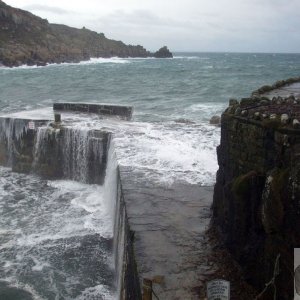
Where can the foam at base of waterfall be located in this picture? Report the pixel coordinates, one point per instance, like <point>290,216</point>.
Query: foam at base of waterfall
<point>51,231</point>
<point>93,293</point>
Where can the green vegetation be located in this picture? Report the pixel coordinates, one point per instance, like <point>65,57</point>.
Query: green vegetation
<point>242,184</point>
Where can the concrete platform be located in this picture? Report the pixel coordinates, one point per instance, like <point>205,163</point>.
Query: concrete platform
<point>285,91</point>
<point>169,226</point>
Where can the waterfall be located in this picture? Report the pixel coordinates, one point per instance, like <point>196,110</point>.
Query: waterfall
<point>113,198</point>
<point>11,130</point>
<point>75,154</point>
<point>40,145</point>
<point>80,154</point>
<point>111,179</point>
<point>71,153</point>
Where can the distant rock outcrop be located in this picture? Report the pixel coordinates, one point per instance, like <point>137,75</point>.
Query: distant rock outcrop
<point>28,39</point>
<point>163,52</point>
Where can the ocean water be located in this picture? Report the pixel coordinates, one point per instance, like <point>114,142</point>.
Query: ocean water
<point>56,236</point>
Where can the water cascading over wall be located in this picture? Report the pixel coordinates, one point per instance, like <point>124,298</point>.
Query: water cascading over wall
<point>16,143</point>
<point>88,156</point>
<point>54,153</point>
<point>71,153</point>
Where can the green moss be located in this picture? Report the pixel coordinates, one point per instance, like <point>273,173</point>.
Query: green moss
<point>241,185</point>
<point>274,123</point>
<point>274,203</point>
<point>280,181</point>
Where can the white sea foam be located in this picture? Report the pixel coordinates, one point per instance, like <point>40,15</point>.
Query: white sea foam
<point>95,292</point>
<point>91,61</point>
<point>206,110</point>
<point>166,151</point>
<point>45,113</point>
<point>46,228</point>
<point>187,57</point>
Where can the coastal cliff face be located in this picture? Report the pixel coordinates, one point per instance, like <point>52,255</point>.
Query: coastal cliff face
<point>28,39</point>
<point>257,193</point>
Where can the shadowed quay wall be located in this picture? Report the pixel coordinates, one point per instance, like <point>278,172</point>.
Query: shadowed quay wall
<point>256,203</point>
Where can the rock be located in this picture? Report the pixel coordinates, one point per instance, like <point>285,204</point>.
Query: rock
<point>163,52</point>
<point>238,111</point>
<point>41,63</point>
<point>215,120</point>
<point>264,102</point>
<point>284,118</point>
<point>279,100</point>
<point>256,115</point>
<point>28,39</point>
<point>265,88</point>
<point>296,124</point>
<point>233,102</point>
<point>248,101</point>
<point>244,113</point>
<point>184,121</point>
<point>273,116</point>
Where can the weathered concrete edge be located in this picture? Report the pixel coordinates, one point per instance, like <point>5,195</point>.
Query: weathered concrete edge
<point>276,85</point>
<point>128,281</point>
<point>123,112</point>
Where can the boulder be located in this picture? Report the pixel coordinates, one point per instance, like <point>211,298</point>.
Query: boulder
<point>215,120</point>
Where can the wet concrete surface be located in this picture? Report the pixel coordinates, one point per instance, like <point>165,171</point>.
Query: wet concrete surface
<point>172,244</point>
<point>285,91</point>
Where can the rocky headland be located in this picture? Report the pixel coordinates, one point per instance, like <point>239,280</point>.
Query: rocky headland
<point>256,206</point>
<point>29,39</point>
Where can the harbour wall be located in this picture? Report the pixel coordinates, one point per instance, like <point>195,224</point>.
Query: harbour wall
<point>54,151</point>
<point>256,205</point>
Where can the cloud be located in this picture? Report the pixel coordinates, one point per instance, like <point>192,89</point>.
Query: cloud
<point>199,25</point>
<point>46,8</point>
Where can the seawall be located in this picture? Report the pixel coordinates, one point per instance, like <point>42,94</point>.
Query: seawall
<point>161,243</point>
<point>256,203</point>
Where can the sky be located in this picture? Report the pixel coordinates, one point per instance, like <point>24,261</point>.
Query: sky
<point>182,25</point>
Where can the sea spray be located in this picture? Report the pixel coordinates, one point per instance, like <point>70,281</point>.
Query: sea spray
<point>11,130</point>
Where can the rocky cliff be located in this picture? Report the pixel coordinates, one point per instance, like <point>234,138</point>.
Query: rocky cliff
<point>28,39</point>
<point>256,204</point>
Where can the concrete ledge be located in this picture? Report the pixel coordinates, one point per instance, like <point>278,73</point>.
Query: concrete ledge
<point>123,112</point>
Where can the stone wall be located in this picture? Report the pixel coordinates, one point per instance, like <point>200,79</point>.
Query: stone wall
<point>53,153</point>
<point>257,193</point>
<point>56,152</point>
<point>122,112</point>
<point>129,284</point>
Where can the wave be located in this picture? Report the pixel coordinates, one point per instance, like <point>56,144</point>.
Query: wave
<point>91,61</point>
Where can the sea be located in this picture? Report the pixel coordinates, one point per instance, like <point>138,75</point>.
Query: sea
<point>56,236</point>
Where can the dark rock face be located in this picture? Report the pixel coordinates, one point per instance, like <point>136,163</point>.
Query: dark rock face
<point>163,52</point>
<point>28,39</point>
<point>257,193</point>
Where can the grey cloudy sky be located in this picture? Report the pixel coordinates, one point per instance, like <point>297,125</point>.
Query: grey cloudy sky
<point>183,25</point>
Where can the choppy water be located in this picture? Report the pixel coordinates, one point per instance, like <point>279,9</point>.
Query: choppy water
<point>55,239</point>
<point>55,236</point>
